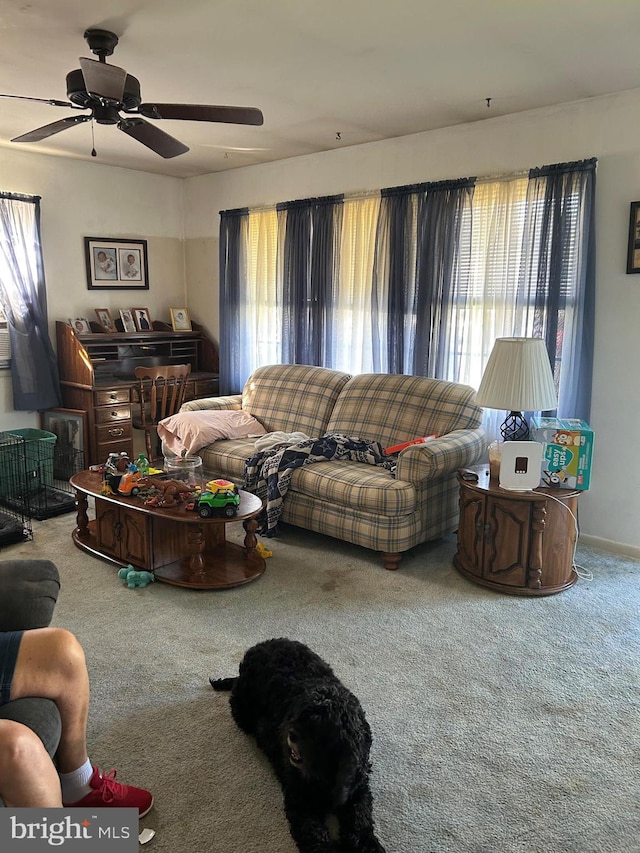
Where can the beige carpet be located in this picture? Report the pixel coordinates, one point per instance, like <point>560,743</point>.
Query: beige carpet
<point>501,724</point>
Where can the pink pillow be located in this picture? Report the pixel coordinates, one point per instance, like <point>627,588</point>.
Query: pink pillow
<point>191,431</point>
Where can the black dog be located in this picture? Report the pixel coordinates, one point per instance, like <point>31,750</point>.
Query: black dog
<point>315,735</point>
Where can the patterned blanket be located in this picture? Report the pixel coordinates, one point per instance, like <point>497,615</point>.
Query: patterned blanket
<point>268,473</point>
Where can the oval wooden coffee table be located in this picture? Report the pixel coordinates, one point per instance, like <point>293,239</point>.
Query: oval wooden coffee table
<point>174,543</point>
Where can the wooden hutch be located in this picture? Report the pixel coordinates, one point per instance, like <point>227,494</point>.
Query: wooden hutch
<point>96,377</point>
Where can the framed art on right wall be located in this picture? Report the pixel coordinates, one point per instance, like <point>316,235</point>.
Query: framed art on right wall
<point>633,250</point>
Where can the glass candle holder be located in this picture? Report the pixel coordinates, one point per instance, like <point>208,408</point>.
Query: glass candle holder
<point>186,469</point>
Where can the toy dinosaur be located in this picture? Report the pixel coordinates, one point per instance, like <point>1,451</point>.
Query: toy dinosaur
<point>173,491</point>
<point>133,578</point>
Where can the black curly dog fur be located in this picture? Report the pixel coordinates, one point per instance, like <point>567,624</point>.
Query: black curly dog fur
<point>314,732</point>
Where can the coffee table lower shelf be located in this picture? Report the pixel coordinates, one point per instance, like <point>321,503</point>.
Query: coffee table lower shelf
<point>228,565</point>
<point>176,545</point>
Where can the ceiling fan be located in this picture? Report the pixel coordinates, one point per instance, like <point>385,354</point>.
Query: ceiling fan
<point>107,90</point>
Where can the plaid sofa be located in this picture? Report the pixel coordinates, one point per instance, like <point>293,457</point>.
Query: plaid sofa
<point>361,503</point>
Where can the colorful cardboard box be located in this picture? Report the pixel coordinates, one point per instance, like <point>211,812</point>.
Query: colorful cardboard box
<point>567,451</point>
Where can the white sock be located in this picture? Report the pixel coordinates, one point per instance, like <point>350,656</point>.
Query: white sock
<point>75,785</point>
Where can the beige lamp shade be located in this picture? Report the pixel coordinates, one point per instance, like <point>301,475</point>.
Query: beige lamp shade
<point>518,377</point>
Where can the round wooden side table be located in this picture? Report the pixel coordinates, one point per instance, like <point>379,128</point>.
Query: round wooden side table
<point>521,543</point>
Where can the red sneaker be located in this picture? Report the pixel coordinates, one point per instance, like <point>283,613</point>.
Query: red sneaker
<point>107,792</point>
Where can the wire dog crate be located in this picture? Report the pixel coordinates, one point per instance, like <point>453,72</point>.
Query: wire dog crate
<point>34,473</point>
<point>15,523</point>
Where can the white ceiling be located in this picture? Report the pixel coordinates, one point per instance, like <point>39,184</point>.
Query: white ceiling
<point>363,69</point>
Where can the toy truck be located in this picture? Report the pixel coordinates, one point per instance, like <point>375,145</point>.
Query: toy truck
<point>225,501</point>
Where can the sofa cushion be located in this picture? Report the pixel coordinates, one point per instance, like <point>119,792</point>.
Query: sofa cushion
<point>391,408</point>
<point>355,485</point>
<point>344,483</point>
<point>293,397</point>
<point>226,458</point>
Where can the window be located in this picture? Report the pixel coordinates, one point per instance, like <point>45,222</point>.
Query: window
<point>419,279</point>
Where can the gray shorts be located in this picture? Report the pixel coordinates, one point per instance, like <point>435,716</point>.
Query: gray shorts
<point>9,645</point>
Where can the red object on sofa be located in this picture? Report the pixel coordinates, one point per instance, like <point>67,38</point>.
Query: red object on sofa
<point>398,447</point>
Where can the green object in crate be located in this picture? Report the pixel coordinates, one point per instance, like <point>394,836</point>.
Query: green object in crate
<point>26,460</point>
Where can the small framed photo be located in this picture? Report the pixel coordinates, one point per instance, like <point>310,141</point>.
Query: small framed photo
<point>105,319</point>
<point>80,325</point>
<point>633,250</point>
<point>128,323</point>
<point>114,264</point>
<point>180,321</point>
<point>142,319</point>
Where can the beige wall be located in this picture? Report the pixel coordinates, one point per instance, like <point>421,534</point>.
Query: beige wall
<point>607,128</point>
<point>80,200</point>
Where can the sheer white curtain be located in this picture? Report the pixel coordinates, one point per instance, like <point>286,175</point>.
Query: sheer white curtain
<point>263,313</point>
<point>353,340</point>
<point>486,308</point>
<point>34,370</point>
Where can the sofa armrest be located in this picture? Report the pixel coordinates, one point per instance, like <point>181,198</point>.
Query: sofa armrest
<point>234,402</point>
<point>29,593</point>
<point>457,449</point>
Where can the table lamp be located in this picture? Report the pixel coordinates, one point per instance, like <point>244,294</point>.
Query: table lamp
<point>517,377</point>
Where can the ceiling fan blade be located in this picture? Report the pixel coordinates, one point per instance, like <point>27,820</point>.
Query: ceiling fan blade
<point>102,80</point>
<point>203,112</point>
<point>52,101</point>
<point>49,129</point>
<point>159,141</point>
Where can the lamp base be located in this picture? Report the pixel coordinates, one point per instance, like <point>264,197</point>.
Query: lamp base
<point>514,427</point>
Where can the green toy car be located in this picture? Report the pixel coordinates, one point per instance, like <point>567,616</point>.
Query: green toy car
<point>223,502</point>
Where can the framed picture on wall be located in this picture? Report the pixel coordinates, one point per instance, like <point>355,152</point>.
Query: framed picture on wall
<point>633,249</point>
<point>116,264</point>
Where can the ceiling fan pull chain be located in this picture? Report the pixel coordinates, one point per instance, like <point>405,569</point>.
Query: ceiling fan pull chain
<point>93,140</point>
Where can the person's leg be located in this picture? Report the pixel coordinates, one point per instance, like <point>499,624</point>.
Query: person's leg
<point>28,777</point>
<point>51,663</point>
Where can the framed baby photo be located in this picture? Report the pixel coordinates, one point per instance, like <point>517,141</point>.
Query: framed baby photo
<point>80,325</point>
<point>128,323</point>
<point>105,319</point>
<point>180,320</point>
<point>142,319</point>
<point>114,264</point>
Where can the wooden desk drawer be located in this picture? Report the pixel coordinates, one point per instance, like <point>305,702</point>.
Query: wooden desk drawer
<point>109,414</point>
<point>202,388</point>
<point>113,432</point>
<point>113,438</point>
<point>114,395</point>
